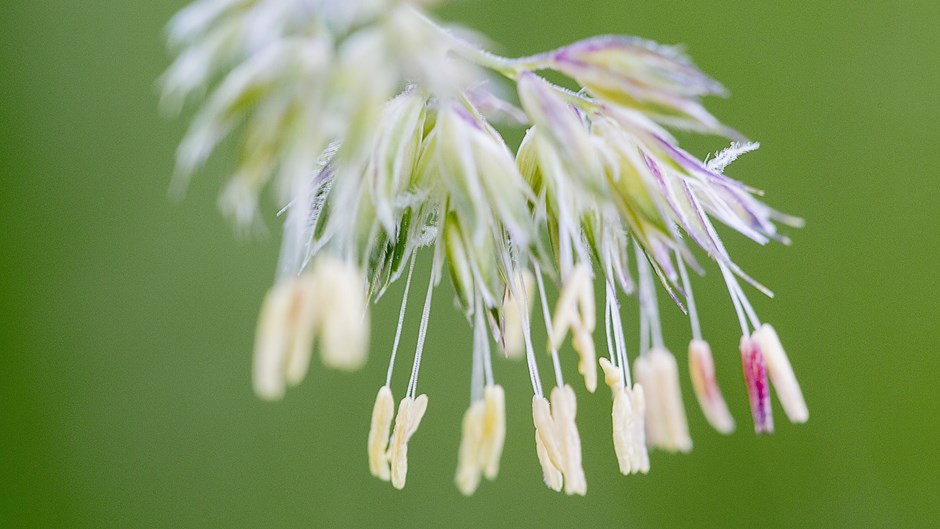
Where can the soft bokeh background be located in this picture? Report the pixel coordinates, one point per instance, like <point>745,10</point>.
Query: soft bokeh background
<point>126,320</point>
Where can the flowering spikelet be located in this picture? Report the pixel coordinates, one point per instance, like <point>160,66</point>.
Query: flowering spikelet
<point>374,129</point>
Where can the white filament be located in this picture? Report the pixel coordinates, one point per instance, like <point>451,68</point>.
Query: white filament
<point>559,380</point>
<point>422,334</point>
<point>729,281</point>
<point>523,302</point>
<point>690,301</point>
<point>401,320</point>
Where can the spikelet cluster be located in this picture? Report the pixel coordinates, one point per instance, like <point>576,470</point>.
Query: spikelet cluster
<point>377,131</point>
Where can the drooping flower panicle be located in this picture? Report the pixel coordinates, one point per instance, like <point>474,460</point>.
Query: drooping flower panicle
<point>376,129</point>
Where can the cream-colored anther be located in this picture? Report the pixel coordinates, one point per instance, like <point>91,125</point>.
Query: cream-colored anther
<point>781,374</point>
<point>545,445</point>
<point>469,469</point>
<point>564,410</point>
<point>666,425</point>
<point>574,311</point>
<point>410,412</point>
<point>484,431</point>
<point>284,337</point>
<point>624,419</point>
<point>306,318</point>
<point>494,429</point>
<point>702,372</point>
<point>378,433</point>
<point>513,329</point>
<point>639,455</point>
<point>344,336</point>
<point>271,339</point>
<point>550,473</point>
<point>583,343</point>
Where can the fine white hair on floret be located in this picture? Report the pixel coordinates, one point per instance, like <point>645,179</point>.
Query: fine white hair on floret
<point>724,158</point>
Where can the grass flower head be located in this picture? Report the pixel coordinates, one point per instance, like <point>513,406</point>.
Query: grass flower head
<point>376,130</point>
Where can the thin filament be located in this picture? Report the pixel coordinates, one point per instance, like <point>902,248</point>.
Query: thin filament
<point>522,302</point>
<point>548,325</point>
<point>690,300</point>
<point>401,320</point>
<point>422,334</point>
<point>742,320</point>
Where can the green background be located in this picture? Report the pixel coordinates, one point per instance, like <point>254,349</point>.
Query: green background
<point>126,320</point>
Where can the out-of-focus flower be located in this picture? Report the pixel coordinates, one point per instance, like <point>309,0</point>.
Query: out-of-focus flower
<point>373,127</point>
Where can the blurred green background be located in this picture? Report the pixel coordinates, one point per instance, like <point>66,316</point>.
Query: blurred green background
<point>127,320</point>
